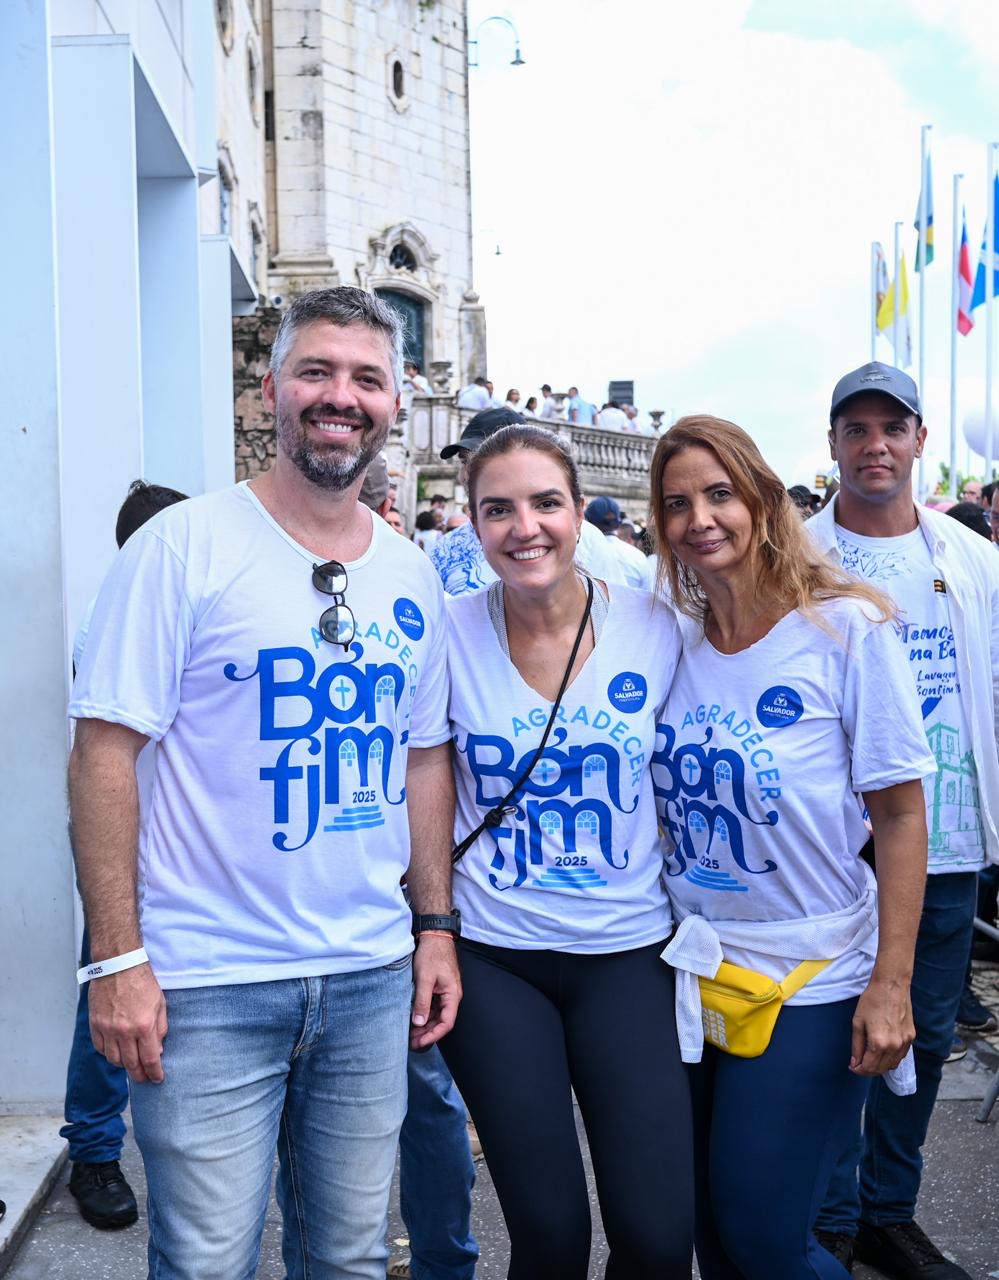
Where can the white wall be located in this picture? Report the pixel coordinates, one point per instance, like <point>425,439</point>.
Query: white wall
<point>37,943</point>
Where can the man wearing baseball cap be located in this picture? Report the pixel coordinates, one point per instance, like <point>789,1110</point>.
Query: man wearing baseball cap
<point>458,557</point>
<point>603,513</point>
<point>945,581</point>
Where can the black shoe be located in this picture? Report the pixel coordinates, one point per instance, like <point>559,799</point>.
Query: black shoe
<point>972,1015</point>
<point>105,1198</point>
<point>839,1244</point>
<point>903,1251</point>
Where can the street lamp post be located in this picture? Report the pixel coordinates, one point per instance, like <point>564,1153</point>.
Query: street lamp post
<point>473,45</point>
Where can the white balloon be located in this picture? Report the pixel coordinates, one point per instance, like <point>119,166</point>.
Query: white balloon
<point>974,432</point>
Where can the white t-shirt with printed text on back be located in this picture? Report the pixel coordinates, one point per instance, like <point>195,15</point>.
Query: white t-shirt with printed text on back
<point>277,832</point>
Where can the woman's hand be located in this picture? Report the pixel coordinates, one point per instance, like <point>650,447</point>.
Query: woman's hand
<point>883,1028</point>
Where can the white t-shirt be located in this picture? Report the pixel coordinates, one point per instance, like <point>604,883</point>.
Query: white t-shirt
<point>903,568</point>
<point>613,420</point>
<point>549,408</point>
<point>473,397</point>
<point>636,569</point>
<point>579,866</point>
<point>761,761</point>
<point>277,832</point>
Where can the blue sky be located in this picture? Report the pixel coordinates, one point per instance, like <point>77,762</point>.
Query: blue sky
<point>686,195</point>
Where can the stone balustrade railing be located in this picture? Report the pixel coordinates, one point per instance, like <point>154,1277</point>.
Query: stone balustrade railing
<point>611,462</point>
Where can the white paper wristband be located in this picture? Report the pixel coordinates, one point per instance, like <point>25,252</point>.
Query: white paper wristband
<point>114,964</point>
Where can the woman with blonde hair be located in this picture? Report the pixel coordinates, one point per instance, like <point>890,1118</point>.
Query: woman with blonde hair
<point>791,702</point>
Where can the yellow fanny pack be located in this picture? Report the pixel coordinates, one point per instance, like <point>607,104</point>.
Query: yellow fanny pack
<point>739,1007</point>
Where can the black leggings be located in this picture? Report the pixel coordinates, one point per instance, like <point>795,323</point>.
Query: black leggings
<point>533,1027</point>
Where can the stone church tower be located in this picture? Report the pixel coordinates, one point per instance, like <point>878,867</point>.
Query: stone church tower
<point>366,154</point>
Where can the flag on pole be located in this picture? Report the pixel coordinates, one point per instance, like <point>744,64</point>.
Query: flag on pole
<point>928,179</point>
<point>965,324</point>
<point>886,317</point>
<point>978,297</point>
<point>880,284</point>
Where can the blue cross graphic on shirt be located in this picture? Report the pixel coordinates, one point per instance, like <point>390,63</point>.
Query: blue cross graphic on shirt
<point>690,768</point>
<point>343,688</point>
<point>546,771</point>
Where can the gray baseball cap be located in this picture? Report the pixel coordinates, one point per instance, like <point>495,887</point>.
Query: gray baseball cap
<point>876,377</point>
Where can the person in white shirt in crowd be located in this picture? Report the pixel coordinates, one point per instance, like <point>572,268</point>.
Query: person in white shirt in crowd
<point>612,417</point>
<point>512,400</point>
<point>631,413</point>
<point>564,912</point>
<point>531,407</point>
<point>494,403</point>
<point>413,380</point>
<point>458,556</point>
<point>475,396</point>
<point>605,515</point>
<point>549,407</point>
<point>254,950</point>
<point>790,701</point>
<point>944,580</point>
<point>426,533</point>
<point>579,410</point>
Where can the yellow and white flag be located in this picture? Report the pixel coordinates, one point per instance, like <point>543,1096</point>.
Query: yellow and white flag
<point>886,318</point>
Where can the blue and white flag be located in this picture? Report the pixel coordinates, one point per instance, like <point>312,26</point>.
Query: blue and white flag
<point>978,297</point>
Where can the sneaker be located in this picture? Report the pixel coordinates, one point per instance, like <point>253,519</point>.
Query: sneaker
<point>105,1198</point>
<point>473,1142</point>
<point>958,1050</point>
<point>973,1016</point>
<point>398,1270</point>
<point>840,1244</point>
<point>903,1251</point>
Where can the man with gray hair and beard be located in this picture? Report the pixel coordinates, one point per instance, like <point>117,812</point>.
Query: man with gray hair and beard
<point>253,961</point>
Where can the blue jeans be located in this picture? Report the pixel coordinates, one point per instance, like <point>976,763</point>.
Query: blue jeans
<point>889,1156</point>
<point>436,1174</point>
<point>767,1131</point>
<point>313,1068</point>
<point>96,1092</point>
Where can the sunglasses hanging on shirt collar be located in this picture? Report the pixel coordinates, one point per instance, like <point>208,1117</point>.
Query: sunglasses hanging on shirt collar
<point>336,625</point>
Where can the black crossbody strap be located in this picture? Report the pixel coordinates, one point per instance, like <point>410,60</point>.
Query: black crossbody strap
<point>496,815</point>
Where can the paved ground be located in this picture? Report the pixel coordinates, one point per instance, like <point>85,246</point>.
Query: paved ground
<point>959,1206</point>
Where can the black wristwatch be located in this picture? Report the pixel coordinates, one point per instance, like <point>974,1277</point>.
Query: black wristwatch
<point>450,923</point>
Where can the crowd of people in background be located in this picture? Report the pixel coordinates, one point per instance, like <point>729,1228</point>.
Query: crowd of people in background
<point>480,394</point>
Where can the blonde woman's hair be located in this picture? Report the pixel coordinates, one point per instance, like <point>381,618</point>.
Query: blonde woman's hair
<point>790,570</point>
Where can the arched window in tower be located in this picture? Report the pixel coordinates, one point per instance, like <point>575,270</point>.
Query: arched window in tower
<point>594,764</point>
<point>723,772</point>
<point>550,823</point>
<point>413,311</point>
<point>348,753</point>
<point>385,688</point>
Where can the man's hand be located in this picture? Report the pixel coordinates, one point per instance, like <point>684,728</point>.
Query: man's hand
<point>883,1028</point>
<point>436,990</point>
<point>128,1022</point>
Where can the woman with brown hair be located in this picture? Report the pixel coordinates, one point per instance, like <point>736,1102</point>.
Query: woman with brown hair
<point>555,697</point>
<point>790,702</point>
